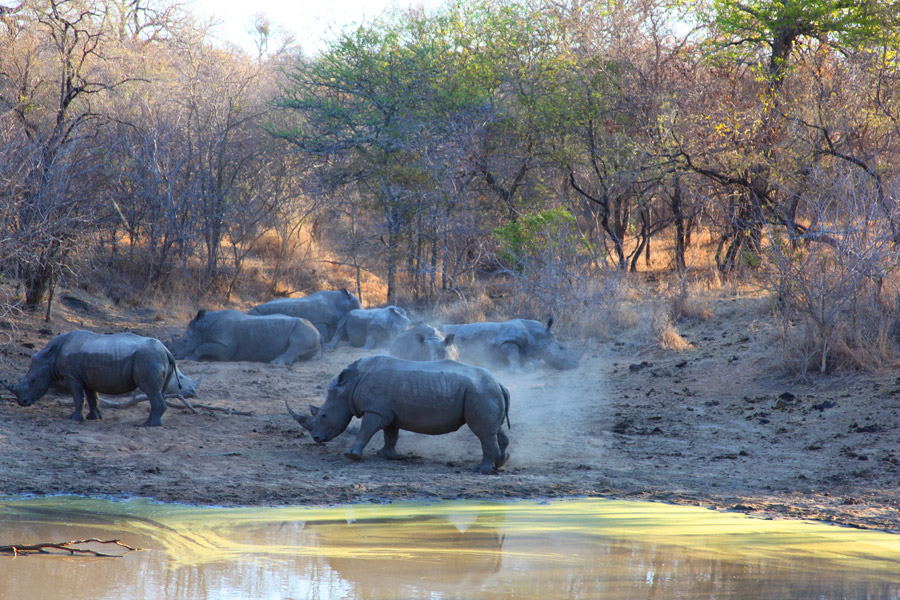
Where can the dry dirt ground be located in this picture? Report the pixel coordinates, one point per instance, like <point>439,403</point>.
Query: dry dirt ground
<point>715,425</point>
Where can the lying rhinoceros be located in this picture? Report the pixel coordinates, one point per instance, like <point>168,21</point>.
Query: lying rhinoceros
<point>232,335</point>
<point>512,344</point>
<point>371,327</point>
<point>324,309</point>
<point>424,342</point>
<point>434,397</point>
<point>85,363</point>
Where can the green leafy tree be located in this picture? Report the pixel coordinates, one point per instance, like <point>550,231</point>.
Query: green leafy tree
<point>529,242</point>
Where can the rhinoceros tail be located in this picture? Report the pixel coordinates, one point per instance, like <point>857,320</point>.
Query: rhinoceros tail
<point>175,372</point>
<point>506,404</point>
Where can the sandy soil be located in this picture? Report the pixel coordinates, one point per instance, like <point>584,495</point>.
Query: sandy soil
<point>715,425</point>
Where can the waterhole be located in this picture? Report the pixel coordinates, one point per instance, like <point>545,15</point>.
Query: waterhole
<point>578,549</point>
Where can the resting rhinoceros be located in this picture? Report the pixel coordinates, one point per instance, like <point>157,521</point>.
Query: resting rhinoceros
<point>232,335</point>
<point>370,327</point>
<point>434,397</point>
<point>86,363</point>
<point>323,309</point>
<point>512,344</point>
<point>424,342</point>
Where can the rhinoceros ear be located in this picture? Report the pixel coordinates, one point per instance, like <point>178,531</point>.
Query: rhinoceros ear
<point>313,410</point>
<point>200,314</point>
<point>549,323</point>
<point>448,339</point>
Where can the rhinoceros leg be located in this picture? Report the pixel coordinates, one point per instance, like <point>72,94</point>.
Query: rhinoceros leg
<point>370,425</point>
<point>297,351</point>
<point>510,352</point>
<point>503,443</point>
<point>93,405</point>
<point>391,435</point>
<point>157,408</point>
<point>77,389</point>
<point>211,351</point>
<point>492,456</point>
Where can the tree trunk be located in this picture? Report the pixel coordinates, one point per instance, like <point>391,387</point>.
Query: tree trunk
<point>680,233</point>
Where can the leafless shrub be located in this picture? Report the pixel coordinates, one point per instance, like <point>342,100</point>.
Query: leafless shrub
<point>479,307</point>
<point>553,274</point>
<point>685,303</point>
<point>835,295</point>
<point>658,330</point>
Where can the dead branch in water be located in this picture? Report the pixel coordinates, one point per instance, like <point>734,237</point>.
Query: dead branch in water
<point>70,548</point>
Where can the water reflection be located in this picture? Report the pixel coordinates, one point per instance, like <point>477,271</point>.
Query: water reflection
<point>593,549</point>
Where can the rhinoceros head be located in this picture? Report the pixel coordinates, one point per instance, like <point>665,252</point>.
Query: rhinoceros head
<point>193,336</point>
<point>328,421</point>
<point>396,321</point>
<point>436,347</point>
<point>37,380</point>
<point>347,302</point>
<point>555,354</point>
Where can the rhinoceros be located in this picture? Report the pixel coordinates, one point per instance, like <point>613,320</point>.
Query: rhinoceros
<point>371,327</point>
<point>227,335</point>
<point>512,344</point>
<point>424,342</point>
<point>435,397</point>
<point>324,309</point>
<point>85,363</point>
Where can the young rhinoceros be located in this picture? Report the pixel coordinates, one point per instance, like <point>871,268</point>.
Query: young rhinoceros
<point>435,397</point>
<point>86,363</point>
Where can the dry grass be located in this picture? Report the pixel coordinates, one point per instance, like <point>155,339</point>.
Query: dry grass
<point>663,332</point>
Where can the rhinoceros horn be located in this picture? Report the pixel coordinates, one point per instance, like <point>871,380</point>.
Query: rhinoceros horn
<point>12,389</point>
<point>302,419</point>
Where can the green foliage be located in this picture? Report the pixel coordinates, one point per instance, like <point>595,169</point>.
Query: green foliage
<point>776,27</point>
<point>539,239</point>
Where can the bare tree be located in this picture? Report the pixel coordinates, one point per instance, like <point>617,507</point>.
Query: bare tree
<point>54,64</point>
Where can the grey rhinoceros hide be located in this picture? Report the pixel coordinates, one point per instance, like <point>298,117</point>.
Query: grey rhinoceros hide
<point>433,398</point>
<point>230,335</point>
<point>424,342</point>
<point>512,344</point>
<point>371,327</point>
<point>85,363</point>
<point>324,309</point>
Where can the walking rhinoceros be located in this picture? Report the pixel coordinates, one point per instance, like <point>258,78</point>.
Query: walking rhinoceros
<point>434,397</point>
<point>227,335</point>
<point>424,342</point>
<point>324,309</point>
<point>371,327</point>
<point>512,344</point>
<point>85,363</point>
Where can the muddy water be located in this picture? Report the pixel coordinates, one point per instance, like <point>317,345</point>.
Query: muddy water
<point>596,549</point>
